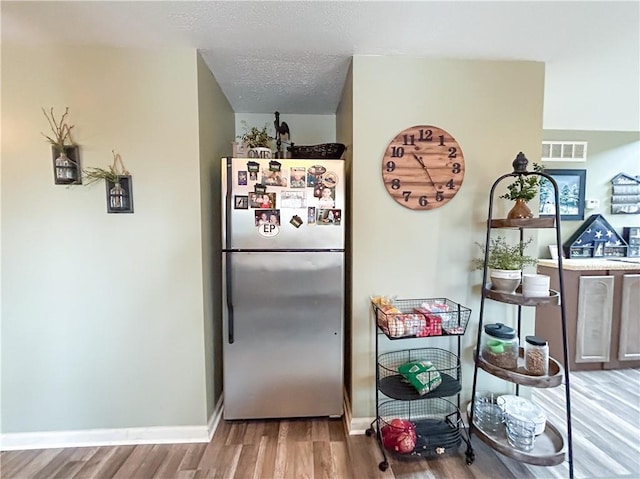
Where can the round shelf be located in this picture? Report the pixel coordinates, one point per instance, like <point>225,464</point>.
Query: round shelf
<point>397,388</point>
<point>520,374</point>
<point>521,299</point>
<point>548,450</point>
<point>548,222</point>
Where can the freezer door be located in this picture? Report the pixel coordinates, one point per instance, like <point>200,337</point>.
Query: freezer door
<point>283,335</point>
<point>305,220</point>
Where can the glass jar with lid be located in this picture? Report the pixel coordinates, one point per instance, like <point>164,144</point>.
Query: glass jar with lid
<point>499,346</point>
<point>536,356</point>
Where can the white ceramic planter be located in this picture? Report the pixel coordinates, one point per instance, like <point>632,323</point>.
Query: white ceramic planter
<point>505,280</point>
<point>535,285</point>
<point>259,152</point>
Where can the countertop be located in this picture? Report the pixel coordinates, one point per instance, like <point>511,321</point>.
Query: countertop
<point>591,264</point>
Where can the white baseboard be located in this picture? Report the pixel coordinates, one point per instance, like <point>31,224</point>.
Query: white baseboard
<point>214,420</point>
<point>359,425</point>
<point>113,437</point>
<point>355,426</point>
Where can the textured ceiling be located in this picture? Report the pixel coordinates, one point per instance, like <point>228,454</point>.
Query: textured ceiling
<point>293,56</point>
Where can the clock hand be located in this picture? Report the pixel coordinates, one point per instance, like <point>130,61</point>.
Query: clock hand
<point>430,179</point>
<point>426,170</point>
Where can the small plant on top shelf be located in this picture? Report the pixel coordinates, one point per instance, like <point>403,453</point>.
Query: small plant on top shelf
<point>524,188</point>
<point>505,256</point>
<point>254,137</point>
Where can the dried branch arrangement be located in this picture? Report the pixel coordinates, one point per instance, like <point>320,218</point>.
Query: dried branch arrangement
<point>93,174</point>
<point>61,129</point>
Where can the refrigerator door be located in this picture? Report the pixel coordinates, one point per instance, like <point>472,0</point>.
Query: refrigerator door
<point>283,334</point>
<point>305,219</point>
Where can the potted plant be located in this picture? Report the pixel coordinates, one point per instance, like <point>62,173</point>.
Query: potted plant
<point>523,190</point>
<point>505,261</point>
<point>258,141</point>
<point>66,169</point>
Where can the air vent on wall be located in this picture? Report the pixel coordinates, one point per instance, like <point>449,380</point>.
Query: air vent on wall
<point>564,151</point>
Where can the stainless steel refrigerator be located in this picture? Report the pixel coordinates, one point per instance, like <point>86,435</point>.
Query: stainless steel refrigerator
<point>283,235</point>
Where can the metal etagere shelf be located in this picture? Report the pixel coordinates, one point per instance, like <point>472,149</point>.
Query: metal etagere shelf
<point>551,447</point>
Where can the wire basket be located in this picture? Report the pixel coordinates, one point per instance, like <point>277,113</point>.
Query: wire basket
<point>436,422</point>
<point>324,151</point>
<point>422,317</point>
<point>394,385</point>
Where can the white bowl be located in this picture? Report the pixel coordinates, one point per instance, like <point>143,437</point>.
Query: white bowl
<point>519,406</point>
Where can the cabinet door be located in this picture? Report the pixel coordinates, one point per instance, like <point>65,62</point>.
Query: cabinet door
<point>595,306</point>
<point>629,325</point>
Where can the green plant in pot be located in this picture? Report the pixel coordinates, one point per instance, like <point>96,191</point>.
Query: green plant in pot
<point>254,137</point>
<point>523,190</point>
<point>506,262</point>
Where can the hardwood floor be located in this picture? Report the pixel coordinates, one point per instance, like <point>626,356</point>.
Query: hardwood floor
<point>605,419</point>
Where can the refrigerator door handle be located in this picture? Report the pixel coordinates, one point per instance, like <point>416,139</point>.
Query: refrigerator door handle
<point>228,276</point>
<point>227,174</point>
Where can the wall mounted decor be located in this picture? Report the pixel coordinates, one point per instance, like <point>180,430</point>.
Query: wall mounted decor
<point>596,238</point>
<point>571,187</point>
<point>118,184</point>
<point>625,197</point>
<point>65,153</point>
<point>119,195</point>
<point>631,235</point>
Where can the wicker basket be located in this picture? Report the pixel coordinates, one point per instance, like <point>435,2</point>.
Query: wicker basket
<point>327,151</point>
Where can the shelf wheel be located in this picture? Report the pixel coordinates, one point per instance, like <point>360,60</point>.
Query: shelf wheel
<point>470,455</point>
<point>383,466</point>
<point>369,432</point>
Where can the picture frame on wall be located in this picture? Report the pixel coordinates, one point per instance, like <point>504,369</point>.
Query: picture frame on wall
<point>571,193</point>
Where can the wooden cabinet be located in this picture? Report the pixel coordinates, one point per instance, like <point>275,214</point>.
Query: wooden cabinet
<point>602,305</point>
<point>629,344</point>
<point>593,328</point>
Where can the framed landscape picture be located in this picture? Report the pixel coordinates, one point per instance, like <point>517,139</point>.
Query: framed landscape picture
<point>571,187</point>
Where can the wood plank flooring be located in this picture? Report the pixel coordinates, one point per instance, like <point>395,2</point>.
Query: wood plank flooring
<point>605,419</point>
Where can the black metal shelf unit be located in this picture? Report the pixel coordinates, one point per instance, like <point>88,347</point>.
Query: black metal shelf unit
<point>436,422</point>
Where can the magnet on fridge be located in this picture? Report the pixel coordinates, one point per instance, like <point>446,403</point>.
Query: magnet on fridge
<point>253,166</point>
<point>330,179</point>
<point>296,221</point>
<point>274,165</point>
<point>241,202</point>
<point>260,188</point>
<point>242,178</point>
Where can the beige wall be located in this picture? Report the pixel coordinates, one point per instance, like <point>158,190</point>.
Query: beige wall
<point>216,128</point>
<point>344,135</point>
<point>102,314</point>
<point>494,110</point>
<point>305,129</point>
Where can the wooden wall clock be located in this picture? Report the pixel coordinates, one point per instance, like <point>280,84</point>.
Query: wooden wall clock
<point>423,167</point>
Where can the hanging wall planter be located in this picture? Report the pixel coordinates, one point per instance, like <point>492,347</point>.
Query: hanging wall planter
<point>66,165</point>
<point>118,185</point>
<point>65,153</point>
<point>119,197</point>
